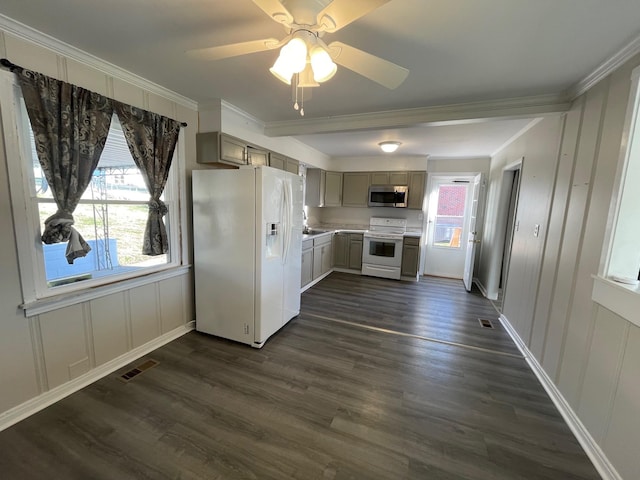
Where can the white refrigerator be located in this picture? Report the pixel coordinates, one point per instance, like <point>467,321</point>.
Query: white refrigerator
<point>247,226</point>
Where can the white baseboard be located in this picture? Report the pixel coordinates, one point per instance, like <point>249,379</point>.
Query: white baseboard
<point>600,461</point>
<point>34,405</point>
<point>481,287</point>
<point>311,284</point>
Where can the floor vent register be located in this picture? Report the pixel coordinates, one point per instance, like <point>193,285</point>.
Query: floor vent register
<point>128,376</point>
<point>485,323</point>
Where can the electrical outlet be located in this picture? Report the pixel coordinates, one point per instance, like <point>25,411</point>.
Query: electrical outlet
<point>536,230</point>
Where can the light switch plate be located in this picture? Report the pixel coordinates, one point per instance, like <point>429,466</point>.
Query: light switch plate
<point>536,230</point>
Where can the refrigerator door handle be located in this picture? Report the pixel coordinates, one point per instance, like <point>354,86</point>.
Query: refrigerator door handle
<point>285,223</point>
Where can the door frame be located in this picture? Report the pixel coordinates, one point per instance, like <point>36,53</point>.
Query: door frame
<point>432,178</point>
<point>502,227</point>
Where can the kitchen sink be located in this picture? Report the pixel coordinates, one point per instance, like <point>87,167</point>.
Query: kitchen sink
<point>313,231</point>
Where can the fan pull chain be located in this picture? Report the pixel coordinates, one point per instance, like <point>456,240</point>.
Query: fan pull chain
<point>302,105</point>
<point>297,80</point>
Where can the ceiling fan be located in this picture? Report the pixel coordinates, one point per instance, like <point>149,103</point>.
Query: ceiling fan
<point>305,59</point>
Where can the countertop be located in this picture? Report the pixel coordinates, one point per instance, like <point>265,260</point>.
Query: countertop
<point>334,228</point>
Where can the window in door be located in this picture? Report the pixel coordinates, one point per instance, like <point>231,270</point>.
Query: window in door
<point>449,220</point>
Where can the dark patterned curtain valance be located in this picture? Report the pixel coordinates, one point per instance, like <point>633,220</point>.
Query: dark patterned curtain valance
<point>70,126</point>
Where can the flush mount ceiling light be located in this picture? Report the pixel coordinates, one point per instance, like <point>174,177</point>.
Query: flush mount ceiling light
<point>305,60</point>
<point>389,147</point>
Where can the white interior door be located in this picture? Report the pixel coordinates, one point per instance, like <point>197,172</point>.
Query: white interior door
<point>472,237</point>
<point>449,210</point>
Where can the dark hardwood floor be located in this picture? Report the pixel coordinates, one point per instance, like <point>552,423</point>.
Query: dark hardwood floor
<point>323,399</point>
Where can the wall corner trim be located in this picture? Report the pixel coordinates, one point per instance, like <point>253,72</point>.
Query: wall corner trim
<point>34,405</point>
<point>600,461</point>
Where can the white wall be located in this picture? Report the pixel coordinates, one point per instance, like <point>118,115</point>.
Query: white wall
<point>44,354</point>
<point>378,163</point>
<point>588,353</point>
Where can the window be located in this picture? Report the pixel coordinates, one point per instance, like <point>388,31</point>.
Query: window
<point>623,263</point>
<point>111,215</point>
<point>449,220</point>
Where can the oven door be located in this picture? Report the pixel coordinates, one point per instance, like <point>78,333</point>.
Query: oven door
<point>382,251</point>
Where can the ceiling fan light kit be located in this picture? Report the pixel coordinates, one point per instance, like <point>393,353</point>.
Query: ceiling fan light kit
<point>303,54</point>
<point>389,147</point>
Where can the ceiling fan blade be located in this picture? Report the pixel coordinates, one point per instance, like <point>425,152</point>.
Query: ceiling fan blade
<point>374,68</point>
<point>340,13</point>
<point>275,10</point>
<point>233,49</point>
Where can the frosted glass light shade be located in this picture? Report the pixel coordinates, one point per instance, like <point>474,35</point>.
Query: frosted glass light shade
<point>389,147</point>
<point>294,54</point>
<point>322,64</point>
<point>281,70</point>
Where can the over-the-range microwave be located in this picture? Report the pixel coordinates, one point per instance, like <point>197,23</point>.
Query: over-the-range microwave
<point>388,196</point>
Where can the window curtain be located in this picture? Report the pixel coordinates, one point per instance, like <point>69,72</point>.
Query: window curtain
<point>70,126</point>
<point>152,140</point>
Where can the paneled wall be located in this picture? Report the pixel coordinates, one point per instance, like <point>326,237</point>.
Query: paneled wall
<point>589,355</point>
<point>43,353</point>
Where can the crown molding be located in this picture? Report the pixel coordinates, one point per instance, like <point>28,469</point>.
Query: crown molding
<point>511,108</point>
<point>605,68</point>
<point>25,32</point>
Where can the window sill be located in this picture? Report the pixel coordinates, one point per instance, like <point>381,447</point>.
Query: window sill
<point>621,299</point>
<point>44,305</point>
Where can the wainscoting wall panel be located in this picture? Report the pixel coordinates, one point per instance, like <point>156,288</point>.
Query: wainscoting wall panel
<point>109,327</point>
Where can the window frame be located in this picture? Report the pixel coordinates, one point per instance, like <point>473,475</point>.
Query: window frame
<point>25,206</point>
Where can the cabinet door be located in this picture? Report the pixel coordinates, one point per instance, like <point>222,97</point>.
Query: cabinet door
<point>307,267</point>
<point>327,257</point>
<point>333,189</point>
<point>292,166</point>
<point>416,189</point>
<point>399,178</point>
<point>277,161</point>
<point>317,261</point>
<point>207,147</point>
<point>232,150</point>
<point>355,251</point>
<point>256,156</point>
<point>410,259</point>
<point>355,189</point>
<point>314,188</point>
<point>380,178</point>
<point>340,250</point>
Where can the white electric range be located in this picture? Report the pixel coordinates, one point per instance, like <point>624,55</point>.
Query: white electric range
<point>382,248</point>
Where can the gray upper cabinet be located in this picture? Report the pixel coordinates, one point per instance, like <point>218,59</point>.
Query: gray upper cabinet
<point>292,166</point>
<point>417,182</point>
<point>333,189</point>
<point>232,150</point>
<point>390,178</point>
<point>315,186</point>
<point>355,189</point>
<point>216,147</point>
<point>256,156</point>
<point>283,163</point>
<point>398,178</point>
<point>277,161</point>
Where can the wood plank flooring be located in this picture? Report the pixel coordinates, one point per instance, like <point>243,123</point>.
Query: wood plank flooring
<point>321,400</point>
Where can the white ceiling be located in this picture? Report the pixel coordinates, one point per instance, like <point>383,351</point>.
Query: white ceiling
<point>457,51</point>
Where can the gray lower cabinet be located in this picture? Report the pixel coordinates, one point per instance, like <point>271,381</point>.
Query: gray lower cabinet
<point>355,251</point>
<point>341,250</point>
<point>347,250</point>
<point>410,256</point>
<point>322,256</point>
<point>307,263</point>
